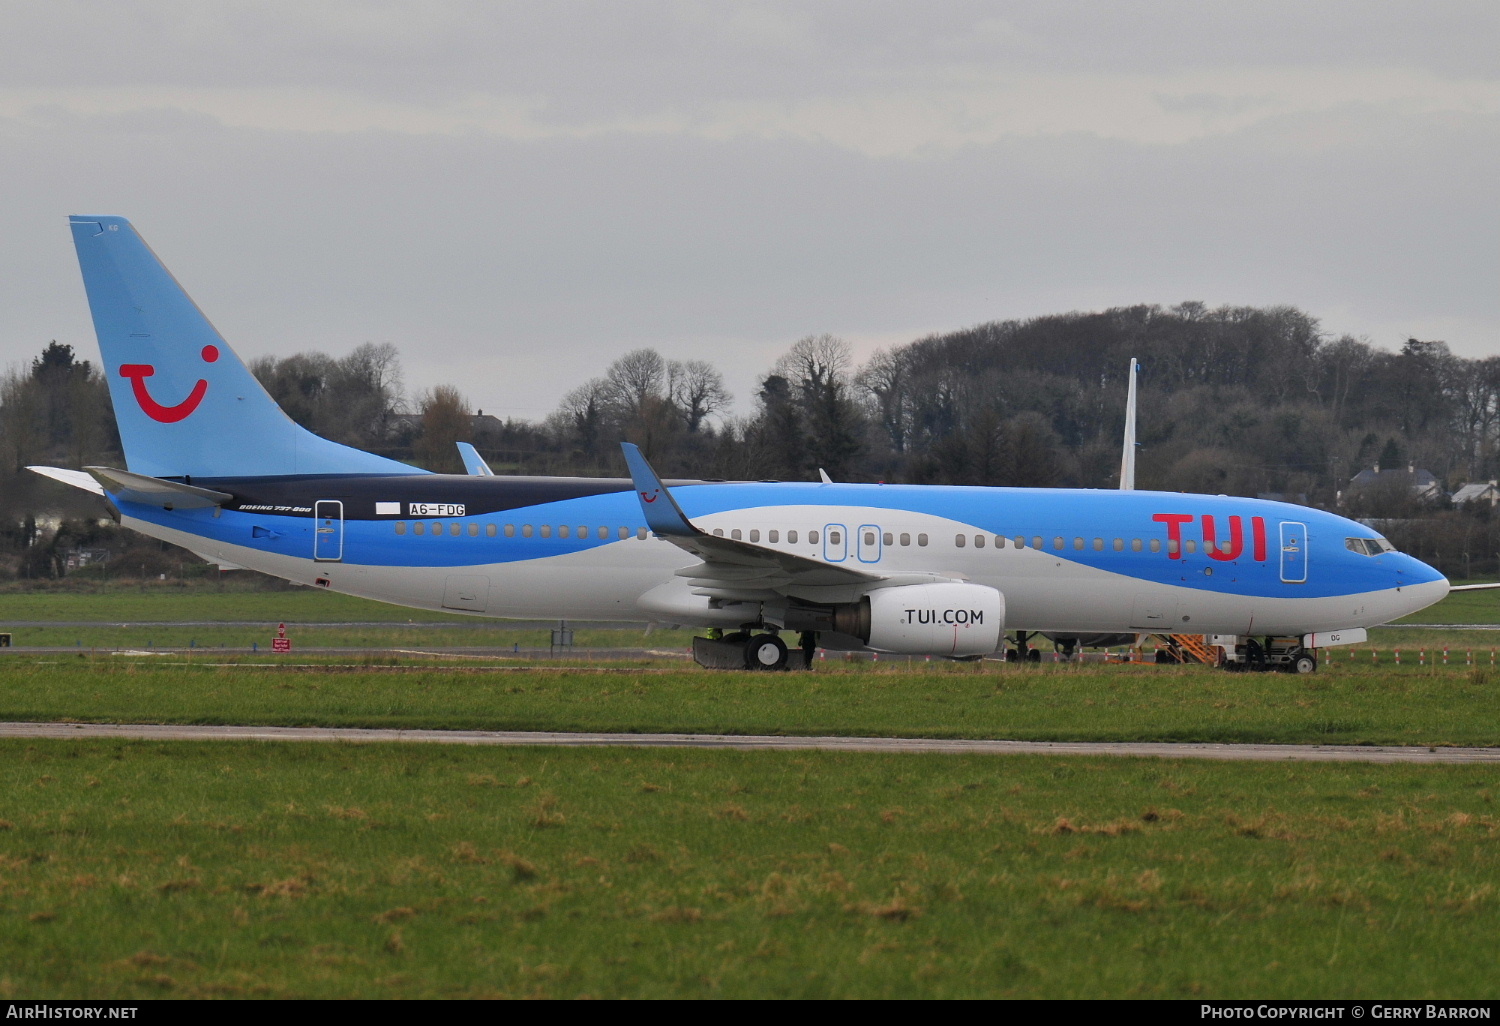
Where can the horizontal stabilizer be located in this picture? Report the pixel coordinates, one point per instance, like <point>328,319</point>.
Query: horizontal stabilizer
<point>153,491</point>
<point>76,478</point>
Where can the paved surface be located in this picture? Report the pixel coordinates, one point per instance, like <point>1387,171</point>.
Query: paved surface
<point>1255,753</point>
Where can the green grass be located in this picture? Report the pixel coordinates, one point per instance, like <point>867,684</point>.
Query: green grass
<point>135,869</point>
<point>1341,704</point>
<point>170,602</point>
<point>491,635</point>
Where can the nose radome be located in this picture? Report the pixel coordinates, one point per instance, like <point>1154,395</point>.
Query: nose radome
<point>1416,597</point>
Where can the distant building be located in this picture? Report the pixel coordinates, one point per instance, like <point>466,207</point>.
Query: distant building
<point>1485,491</point>
<point>1423,484</point>
<point>80,557</point>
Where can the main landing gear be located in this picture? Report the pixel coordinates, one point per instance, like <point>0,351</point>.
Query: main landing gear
<point>1022,653</point>
<point>755,648</point>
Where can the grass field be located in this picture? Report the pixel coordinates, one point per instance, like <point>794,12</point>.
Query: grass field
<point>315,618</point>
<point>1355,704</point>
<point>186,869</point>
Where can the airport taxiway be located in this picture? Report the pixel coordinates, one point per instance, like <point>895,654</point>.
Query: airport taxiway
<point>1179,750</point>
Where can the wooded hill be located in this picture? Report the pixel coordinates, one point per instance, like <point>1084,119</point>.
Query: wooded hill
<point>1235,400</point>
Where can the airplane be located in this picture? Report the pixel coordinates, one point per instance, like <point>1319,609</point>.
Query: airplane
<point>215,466</point>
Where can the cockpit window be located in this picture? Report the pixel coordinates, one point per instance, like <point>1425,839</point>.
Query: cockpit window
<point>1368,546</point>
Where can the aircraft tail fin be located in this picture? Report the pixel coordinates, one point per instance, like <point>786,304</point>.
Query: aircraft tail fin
<point>1127,455</point>
<point>186,405</point>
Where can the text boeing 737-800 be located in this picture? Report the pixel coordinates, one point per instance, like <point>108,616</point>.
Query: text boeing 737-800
<point>214,465</point>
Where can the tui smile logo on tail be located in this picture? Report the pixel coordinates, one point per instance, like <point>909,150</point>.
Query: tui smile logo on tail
<point>139,372</point>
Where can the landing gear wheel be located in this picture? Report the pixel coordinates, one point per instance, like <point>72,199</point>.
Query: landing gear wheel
<point>1304,662</point>
<point>1033,655</point>
<point>1012,656</point>
<point>765,652</point>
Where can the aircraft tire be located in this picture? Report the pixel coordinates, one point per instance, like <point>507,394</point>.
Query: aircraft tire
<point>1033,655</point>
<point>1304,662</point>
<point>1012,656</point>
<point>765,652</point>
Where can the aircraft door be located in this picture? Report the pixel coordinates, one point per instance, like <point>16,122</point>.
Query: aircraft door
<point>867,543</point>
<point>835,543</point>
<point>328,531</point>
<point>1293,552</point>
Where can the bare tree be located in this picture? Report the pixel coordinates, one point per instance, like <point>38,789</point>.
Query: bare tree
<point>697,389</point>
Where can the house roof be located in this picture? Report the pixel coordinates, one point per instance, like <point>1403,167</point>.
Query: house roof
<point>1418,479</point>
<point>1482,490</point>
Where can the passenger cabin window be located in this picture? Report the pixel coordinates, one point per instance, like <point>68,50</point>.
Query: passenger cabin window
<point>870,538</point>
<point>419,528</point>
<point>905,538</point>
<point>959,540</point>
<point>1077,543</point>
<point>1156,545</point>
<point>791,537</point>
<point>773,537</point>
<point>735,534</point>
<point>641,532</point>
<point>1119,544</point>
<point>999,542</point>
<point>1171,547</point>
<point>1098,544</point>
<point>455,529</point>
<point>1036,541</point>
<point>754,535</point>
<point>921,539</point>
<point>490,530</point>
<point>401,527</point>
<point>562,531</point>
<point>546,531</point>
<point>473,530</point>
<point>1192,546</point>
<point>718,532</point>
<point>835,538</point>
<point>1135,545</point>
<point>1058,543</point>
<point>812,537</point>
<point>437,529</point>
<point>979,541</point>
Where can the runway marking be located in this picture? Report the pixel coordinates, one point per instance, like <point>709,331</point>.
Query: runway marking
<point>1180,750</point>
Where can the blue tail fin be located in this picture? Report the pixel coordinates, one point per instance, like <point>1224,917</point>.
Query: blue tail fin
<point>185,403</point>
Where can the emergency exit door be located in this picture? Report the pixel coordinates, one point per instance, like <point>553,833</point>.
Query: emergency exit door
<point>328,530</point>
<point>1293,552</point>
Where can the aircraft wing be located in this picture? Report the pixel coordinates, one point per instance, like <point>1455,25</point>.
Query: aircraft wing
<point>730,569</point>
<point>1474,587</point>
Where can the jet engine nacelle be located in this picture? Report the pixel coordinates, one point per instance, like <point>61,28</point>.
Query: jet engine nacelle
<point>932,619</point>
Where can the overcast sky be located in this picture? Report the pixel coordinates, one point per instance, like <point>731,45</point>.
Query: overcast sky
<point>517,193</point>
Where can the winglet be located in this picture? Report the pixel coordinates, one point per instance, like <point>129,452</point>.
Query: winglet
<point>823,476</point>
<point>663,515</point>
<point>1127,454</point>
<point>473,462</point>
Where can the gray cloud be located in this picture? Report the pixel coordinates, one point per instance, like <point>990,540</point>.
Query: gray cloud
<point>516,194</point>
